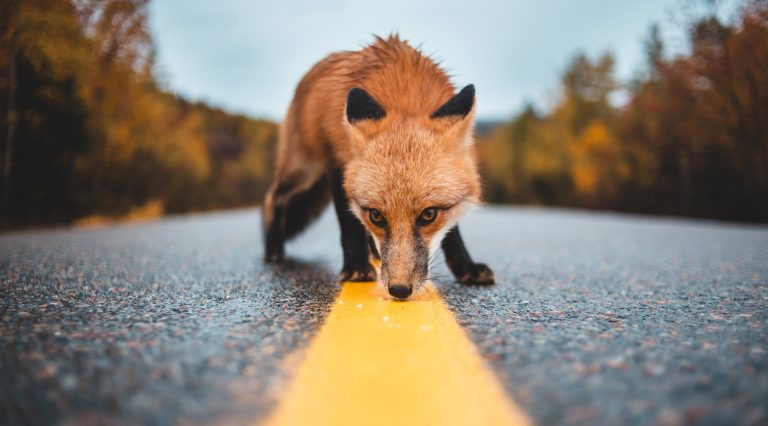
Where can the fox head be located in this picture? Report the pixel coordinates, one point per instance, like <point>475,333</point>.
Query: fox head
<point>409,179</point>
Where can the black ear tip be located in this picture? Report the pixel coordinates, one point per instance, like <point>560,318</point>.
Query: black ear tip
<point>356,96</point>
<point>459,105</point>
<point>361,106</point>
<point>355,93</point>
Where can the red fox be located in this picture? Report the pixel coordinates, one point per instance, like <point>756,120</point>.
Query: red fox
<point>381,132</point>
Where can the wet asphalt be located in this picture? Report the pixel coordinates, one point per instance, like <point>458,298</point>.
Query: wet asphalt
<point>596,318</point>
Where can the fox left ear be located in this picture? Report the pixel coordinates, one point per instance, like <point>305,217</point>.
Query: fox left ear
<point>458,106</point>
<point>362,106</point>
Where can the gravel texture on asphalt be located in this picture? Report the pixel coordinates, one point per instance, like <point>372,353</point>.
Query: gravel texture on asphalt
<point>596,318</point>
<point>617,319</point>
<point>151,324</point>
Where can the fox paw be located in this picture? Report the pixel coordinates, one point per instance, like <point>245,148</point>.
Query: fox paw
<point>275,257</point>
<point>357,273</point>
<point>478,274</point>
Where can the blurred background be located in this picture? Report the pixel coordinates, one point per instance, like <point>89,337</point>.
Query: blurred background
<point>131,109</point>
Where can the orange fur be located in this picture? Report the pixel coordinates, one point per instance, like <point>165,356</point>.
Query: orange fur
<point>400,164</point>
<point>407,84</point>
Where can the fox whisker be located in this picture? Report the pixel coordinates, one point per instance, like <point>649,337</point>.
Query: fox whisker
<point>438,276</point>
<point>433,257</point>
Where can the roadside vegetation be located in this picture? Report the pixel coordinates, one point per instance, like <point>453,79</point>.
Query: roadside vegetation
<point>691,140</point>
<point>88,133</point>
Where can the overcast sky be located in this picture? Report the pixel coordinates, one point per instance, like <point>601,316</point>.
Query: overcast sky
<point>247,56</point>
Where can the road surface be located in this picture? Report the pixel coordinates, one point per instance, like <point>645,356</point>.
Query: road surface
<point>596,318</point>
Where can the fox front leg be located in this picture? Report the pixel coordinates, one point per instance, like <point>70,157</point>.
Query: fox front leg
<point>460,263</point>
<point>354,240</point>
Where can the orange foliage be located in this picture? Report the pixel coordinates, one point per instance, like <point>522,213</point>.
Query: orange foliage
<point>99,136</point>
<point>693,139</point>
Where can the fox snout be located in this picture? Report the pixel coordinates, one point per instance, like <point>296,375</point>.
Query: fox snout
<point>400,291</point>
<point>404,266</point>
<point>404,287</point>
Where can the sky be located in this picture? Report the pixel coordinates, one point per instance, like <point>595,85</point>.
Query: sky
<point>247,56</point>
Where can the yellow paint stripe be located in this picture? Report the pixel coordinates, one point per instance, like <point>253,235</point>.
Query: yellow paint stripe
<point>379,361</point>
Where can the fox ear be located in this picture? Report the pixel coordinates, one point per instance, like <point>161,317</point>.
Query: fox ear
<point>361,106</point>
<point>458,106</point>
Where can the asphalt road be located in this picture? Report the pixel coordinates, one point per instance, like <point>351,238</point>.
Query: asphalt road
<point>596,318</point>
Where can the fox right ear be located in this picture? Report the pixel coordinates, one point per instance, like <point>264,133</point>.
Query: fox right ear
<point>361,106</point>
<point>458,106</point>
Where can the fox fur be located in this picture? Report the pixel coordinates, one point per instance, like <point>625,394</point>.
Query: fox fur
<point>382,132</point>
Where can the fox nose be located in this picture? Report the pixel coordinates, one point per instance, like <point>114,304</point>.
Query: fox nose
<point>401,291</point>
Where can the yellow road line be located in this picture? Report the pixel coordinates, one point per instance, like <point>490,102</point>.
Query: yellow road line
<point>378,361</point>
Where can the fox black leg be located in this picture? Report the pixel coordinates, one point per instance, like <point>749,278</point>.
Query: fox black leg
<point>354,240</point>
<point>289,207</point>
<point>460,263</point>
<point>274,220</point>
<point>274,239</point>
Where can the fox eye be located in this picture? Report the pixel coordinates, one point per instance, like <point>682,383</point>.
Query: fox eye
<point>376,217</point>
<point>427,216</point>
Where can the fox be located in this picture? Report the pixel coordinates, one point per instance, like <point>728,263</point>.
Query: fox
<point>382,133</point>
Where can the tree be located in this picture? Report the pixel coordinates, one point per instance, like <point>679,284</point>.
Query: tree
<point>11,23</point>
<point>93,134</point>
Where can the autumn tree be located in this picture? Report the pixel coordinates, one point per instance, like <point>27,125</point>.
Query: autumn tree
<point>87,131</point>
<point>692,140</point>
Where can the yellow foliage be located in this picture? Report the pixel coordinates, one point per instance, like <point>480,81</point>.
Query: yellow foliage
<point>585,180</point>
<point>151,210</point>
<point>596,138</point>
<point>253,161</point>
<point>597,166</point>
<point>182,145</point>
